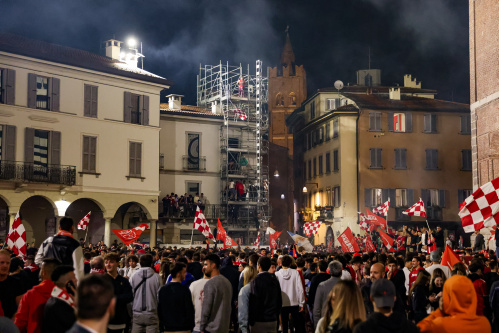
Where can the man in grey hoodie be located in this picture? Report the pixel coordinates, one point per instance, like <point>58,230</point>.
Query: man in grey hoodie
<point>145,285</point>
<point>215,314</point>
<point>335,269</point>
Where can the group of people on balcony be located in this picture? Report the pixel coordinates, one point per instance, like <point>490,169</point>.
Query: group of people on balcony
<point>184,205</point>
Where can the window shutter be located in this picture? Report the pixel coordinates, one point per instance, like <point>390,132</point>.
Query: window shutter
<point>93,154</point>
<point>434,123</point>
<point>367,197</point>
<point>9,85</point>
<point>410,197</point>
<point>460,197</point>
<point>87,101</point>
<point>86,153</point>
<point>441,198</point>
<point>390,122</point>
<point>372,121</point>
<point>427,120</point>
<point>385,193</point>
<point>378,158</point>
<point>93,103</point>
<point>373,157</point>
<point>55,93</point>
<point>408,122</point>
<point>9,138</point>
<point>425,196</point>
<point>145,110</point>
<point>55,148</point>
<point>132,159</point>
<point>393,196</point>
<point>138,159</point>
<point>397,158</point>
<point>29,144</point>
<point>434,160</point>
<point>127,110</point>
<point>403,158</point>
<point>32,91</point>
<point>428,158</point>
<point>378,121</point>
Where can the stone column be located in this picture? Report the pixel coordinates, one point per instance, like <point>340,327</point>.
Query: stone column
<point>152,238</point>
<point>12,217</point>
<point>107,231</point>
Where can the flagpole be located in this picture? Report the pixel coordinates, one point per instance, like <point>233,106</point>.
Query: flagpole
<point>86,233</point>
<point>192,235</point>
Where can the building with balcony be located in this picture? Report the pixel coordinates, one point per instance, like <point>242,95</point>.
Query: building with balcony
<point>361,145</point>
<point>79,132</point>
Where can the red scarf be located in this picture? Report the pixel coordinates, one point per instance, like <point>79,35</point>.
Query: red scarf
<point>62,295</point>
<point>65,233</point>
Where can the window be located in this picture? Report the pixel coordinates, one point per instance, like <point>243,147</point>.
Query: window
<point>431,159</point>
<point>42,148</point>
<point>279,100</point>
<point>312,110</point>
<point>335,128</point>
<point>328,163</point>
<point>135,162</point>
<point>466,159</point>
<point>430,123</point>
<point>332,103</point>
<point>7,143</point>
<point>320,166</point>
<point>309,169</point>
<point>321,134</point>
<point>375,121</point>
<point>466,124</point>
<point>43,92</point>
<point>400,158</point>
<point>399,122</point>
<point>373,197</point>
<point>329,197</point>
<point>90,102</point>
<point>328,130</point>
<point>305,171</point>
<point>401,199</point>
<point>336,162</point>
<point>193,151</point>
<point>315,167</point>
<point>89,154</point>
<point>376,158</point>
<point>41,152</point>
<point>336,196</point>
<point>433,197</point>
<point>462,195</point>
<point>292,98</point>
<point>136,109</point>
<point>192,188</point>
<point>7,86</point>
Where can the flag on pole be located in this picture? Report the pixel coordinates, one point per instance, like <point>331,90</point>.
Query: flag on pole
<point>257,242</point>
<point>417,209</point>
<point>16,239</point>
<point>83,224</point>
<point>294,251</point>
<point>387,240</point>
<point>201,224</point>
<point>240,113</point>
<point>128,236</point>
<point>449,258</point>
<point>221,233</point>
<point>364,225</point>
<point>347,241</point>
<point>311,228</point>
<point>383,209</point>
<point>273,239</point>
<point>375,219</point>
<point>229,242</point>
<point>302,241</point>
<point>480,209</point>
<point>369,245</point>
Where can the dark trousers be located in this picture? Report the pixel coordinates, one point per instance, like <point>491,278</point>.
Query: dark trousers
<point>296,315</point>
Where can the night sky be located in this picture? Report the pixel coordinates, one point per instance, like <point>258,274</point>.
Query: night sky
<point>426,38</point>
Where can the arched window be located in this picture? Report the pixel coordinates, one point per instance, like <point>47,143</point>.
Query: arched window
<point>279,100</point>
<point>292,98</point>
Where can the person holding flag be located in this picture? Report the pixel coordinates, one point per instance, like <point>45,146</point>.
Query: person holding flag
<point>16,239</point>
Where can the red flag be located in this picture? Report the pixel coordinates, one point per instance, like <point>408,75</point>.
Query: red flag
<point>294,251</point>
<point>347,241</point>
<point>481,209</point>
<point>387,240</point>
<point>16,239</point>
<point>127,236</point>
<point>369,245</point>
<point>221,234</point>
<point>449,258</point>
<point>375,219</point>
<point>228,242</point>
<point>257,241</point>
<point>273,239</point>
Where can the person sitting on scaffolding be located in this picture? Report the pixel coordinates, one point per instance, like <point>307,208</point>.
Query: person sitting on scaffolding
<point>240,84</point>
<point>243,162</point>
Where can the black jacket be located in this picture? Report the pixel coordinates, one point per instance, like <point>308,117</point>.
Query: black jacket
<point>228,270</point>
<point>379,323</point>
<point>399,281</point>
<point>196,269</point>
<point>175,308</point>
<point>419,299</point>
<point>124,295</point>
<point>58,316</point>
<point>316,280</point>
<point>265,301</point>
<point>64,249</point>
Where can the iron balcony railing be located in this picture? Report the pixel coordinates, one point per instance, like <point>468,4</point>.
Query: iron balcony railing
<point>31,172</point>
<point>190,163</point>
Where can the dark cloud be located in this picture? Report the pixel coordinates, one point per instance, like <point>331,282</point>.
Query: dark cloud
<point>427,38</point>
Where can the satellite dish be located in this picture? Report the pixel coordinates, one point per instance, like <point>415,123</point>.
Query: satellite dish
<point>338,85</point>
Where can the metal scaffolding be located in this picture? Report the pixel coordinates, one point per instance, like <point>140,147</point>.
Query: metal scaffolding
<point>242,99</point>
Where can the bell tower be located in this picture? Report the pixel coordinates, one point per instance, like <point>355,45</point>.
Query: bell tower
<point>287,91</point>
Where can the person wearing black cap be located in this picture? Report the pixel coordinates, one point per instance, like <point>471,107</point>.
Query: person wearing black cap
<point>383,319</point>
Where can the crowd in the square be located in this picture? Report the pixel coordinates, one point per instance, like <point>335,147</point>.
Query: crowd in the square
<point>66,285</point>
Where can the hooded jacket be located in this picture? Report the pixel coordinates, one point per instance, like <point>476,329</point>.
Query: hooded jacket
<point>291,286</point>
<point>230,271</point>
<point>379,323</point>
<point>459,304</point>
<point>265,298</point>
<point>30,313</point>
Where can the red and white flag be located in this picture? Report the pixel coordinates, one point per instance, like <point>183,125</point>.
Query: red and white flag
<point>16,239</point>
<point>417,209</point>
<point>364,225</point>
<point>375,219</point>
<point>241,114</point>
<point>311,228</point>
<point>347,241</point>
<point>201,224</point>
<point>383,209</point>
<point>229,242</point>
<point>221,233</point>
<point>369,245</point>
<point>128,236</point>
<point>257,242</point>
<point>83,224</point>
<point>273,239</point>
<point>480,209</point>
<point>387,240</point>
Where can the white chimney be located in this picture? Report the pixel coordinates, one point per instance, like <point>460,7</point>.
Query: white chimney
<point>113,49</point>
<point>394,93</point>
<point>215,107</point>
<point>175,102</point>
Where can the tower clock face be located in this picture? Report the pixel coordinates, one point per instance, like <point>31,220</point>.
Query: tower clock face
<point>193,150</point>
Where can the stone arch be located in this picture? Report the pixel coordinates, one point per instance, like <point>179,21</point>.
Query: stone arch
<point>38,214</point>
<point>130,215</point>
<point>329,239</point>
<point>81,207</point>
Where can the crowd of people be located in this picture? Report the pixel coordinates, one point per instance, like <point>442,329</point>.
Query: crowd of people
<point>184,205</point>
<point>66,286</point>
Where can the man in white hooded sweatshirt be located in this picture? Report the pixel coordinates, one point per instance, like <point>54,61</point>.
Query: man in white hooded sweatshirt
<point>293,295</point>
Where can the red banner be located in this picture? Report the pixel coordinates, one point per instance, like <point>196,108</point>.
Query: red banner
<point>369,245</point>
<point>387,240</point>
<point>228,242</point>
<point>128,236</point>
<point>347,241</point>
<point>221,234</point>
<point>449,258</point>
<point>375,219</point>
<point>273,239</point>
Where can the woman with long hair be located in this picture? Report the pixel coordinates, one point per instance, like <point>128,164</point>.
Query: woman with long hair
<point>419,296</point>
<point>436,286</point>
<point>249,275</point>
<point>459,269</point>
<point>344,309</point>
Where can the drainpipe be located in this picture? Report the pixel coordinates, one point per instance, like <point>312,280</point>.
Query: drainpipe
<point>357,152</point>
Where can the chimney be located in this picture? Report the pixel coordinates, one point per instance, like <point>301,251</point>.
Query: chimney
<point>175,102</point>
<point>394,93</point>
<point>411,83</point>
<point>113,49</point>
<point>215,107</point>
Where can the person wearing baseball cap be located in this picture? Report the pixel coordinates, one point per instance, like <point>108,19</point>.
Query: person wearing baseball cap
<point>383,319</point>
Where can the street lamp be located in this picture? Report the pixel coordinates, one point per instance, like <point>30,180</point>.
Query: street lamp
<point>276,173</point>
<point>132,42</point>
<point>305,190</point>
<point>62,205</point>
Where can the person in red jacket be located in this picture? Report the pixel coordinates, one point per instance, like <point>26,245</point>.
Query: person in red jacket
<point>416,267</point>
<point>30,312</point>
<point>476,273</point>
